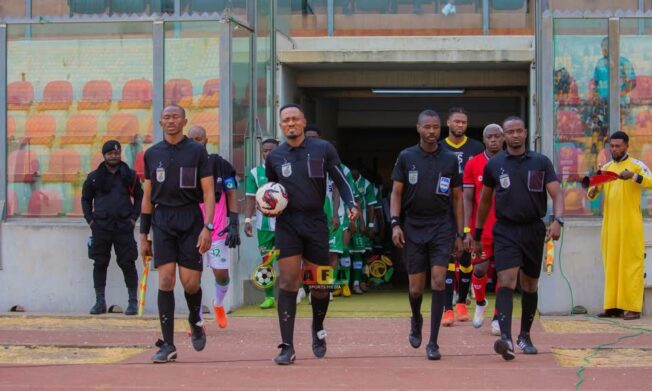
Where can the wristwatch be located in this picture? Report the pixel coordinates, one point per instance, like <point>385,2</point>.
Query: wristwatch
<point>560,220</point>
<point>209,227</point>
<point>459,235</point>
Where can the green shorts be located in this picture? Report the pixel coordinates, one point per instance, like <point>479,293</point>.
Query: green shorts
<point>335,242</point>
<point>265,241</point>
<point>359,243</point>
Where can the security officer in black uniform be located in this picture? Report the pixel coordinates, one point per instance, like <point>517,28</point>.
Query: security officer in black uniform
<point>107,196</point>
<point>178,177</point>
<point>427,184</point>
<point>300,164</point>
<point>464,148</point>
<point>519,178</point>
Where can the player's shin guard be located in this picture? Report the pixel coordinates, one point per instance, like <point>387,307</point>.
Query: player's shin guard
<point>287,309</point>
<point>436,312</point>
<point>319,309</point>
<point>221,287</point>
<point>194,306</point>
<point>166,315</point>
<point>529,302</point>
<point>504,305</point>
<point>450,286</point>
<point>464,282</point>
<point>479,288</point>
<point>357,267</point>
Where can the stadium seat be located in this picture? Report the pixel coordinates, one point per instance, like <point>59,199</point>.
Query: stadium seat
<point>148,138</point>
<point>87,6</point>
<point>20,95</point>
<point>128,6</point>
<point>96,160</point>
<point>77,210</point>
<point>11,127</point>
<point>122,127</point>
<point>97,95</point>
<point>12,203</point>
<point>80,129</point>
<point>139,165</point>
<point>178,91</point>
<point>642,94</point>
<point>507,5</point>
<point>22,166</point>
<point>136,94</point>
<point>57,95</point>
<point>209,120</point>
<point>45,203</point>
<point>211,94</point>
<point>64,166</point>
<point>40,129</point>
<point>201,6</point>
<point>569,125</point>
<point>644,123</point>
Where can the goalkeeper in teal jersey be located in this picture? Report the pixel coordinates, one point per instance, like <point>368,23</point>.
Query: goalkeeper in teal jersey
<point>264,225</point>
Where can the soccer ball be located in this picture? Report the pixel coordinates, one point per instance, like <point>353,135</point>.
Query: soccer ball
<point>264,276</point>
<point>271,198</point>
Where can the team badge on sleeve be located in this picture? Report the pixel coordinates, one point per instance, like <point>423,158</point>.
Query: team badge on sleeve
<point>444,185</point>
<point>413,177</point>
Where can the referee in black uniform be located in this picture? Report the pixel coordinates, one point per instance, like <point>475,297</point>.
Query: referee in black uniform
<point>178,177</point>
<point>519,178</point>
<point>427,184</point>
<point>300,164</point>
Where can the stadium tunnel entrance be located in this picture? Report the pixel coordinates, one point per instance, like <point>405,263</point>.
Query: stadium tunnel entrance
<point>361,113</point>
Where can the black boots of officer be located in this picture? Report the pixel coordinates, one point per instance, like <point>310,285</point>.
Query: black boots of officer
<point>100,302</point>
<point>132,308</point>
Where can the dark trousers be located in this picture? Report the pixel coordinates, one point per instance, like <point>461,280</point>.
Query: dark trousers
<point>126,252</point>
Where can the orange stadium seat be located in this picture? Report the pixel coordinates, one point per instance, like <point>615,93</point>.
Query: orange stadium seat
<point>136,94</point>
<point>57,95</point>
<point>178,91</point>
<point>210,121</point>
<point>11,127</point>
<point>569,125</point>
<point>211,94</point>
<point>45,202</point>
<point>96,160</point>
<point>139,165</point>
<point>20,95</point>
<point>22,166</point>
<point>97,95</point>
<point>122,127</point>
<point>642,94</point>
<point>80,129</point>
<point>40,129</point>
<point>64,166</point>
<point>12,202</point>
<point>644,123</point>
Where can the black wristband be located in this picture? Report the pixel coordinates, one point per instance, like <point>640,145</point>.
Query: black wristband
<point>395,221</point>
<point>145,223</point>
<point>638,178</point>
<point>234,218</point>
<point>477,234</point>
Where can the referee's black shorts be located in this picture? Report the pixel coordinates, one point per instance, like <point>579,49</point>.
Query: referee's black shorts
<point>176,231</point>
<point>305,234</point>
<point>428,242</point>
<point>519,245</point>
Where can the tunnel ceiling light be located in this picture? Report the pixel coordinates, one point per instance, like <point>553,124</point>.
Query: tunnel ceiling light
<point>396,91</point>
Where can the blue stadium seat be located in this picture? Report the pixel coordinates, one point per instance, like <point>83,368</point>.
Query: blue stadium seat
<point>507,5</point>
<point>87,6</point>
<point>128,6</point>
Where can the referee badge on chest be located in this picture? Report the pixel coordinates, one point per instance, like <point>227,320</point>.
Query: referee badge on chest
<point>443,185</point>
<point>286,169</point>
<point>413,177</point>
<point>160,174</point>
<point>504,181</point>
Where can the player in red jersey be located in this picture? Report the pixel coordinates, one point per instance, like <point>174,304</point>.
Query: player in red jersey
<point>493,139</point>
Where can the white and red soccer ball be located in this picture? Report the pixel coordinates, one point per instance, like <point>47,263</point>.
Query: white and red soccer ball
<point>271,198</point>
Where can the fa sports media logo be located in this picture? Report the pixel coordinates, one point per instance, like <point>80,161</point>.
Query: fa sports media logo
<point>323,276</point>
